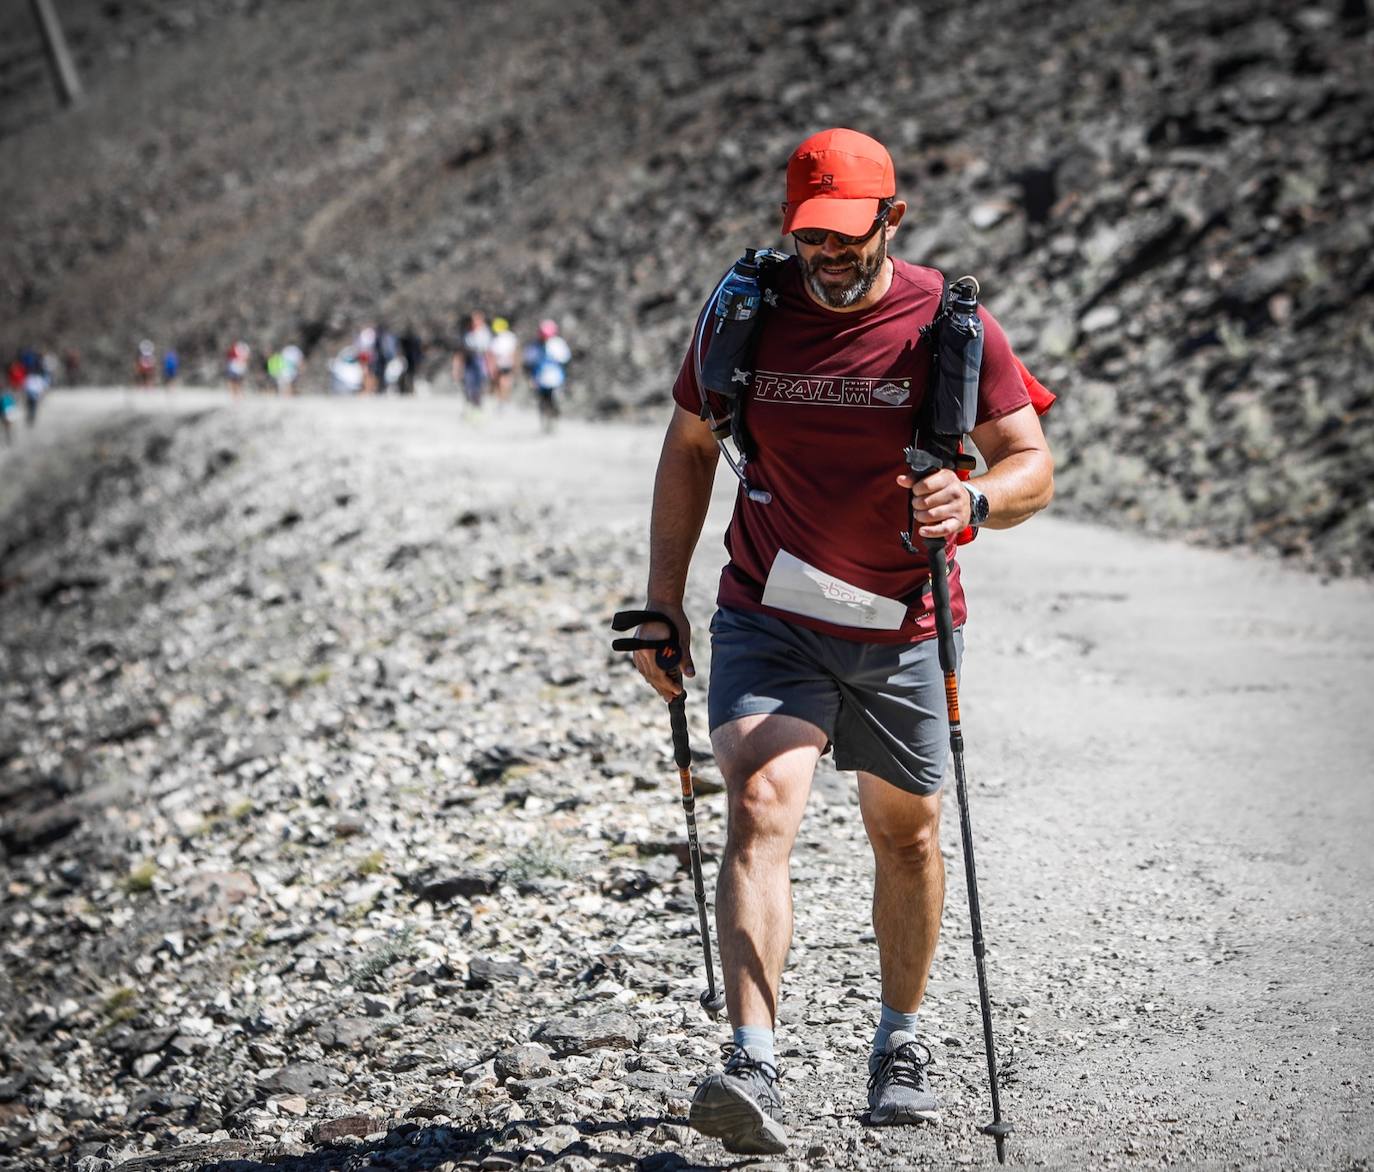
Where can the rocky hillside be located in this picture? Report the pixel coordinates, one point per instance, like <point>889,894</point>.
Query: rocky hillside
<point>1167,203</point>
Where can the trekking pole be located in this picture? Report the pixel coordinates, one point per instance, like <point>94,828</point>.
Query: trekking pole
<point>949,413</point>
<point>922,464</point>
<point>668,654</point>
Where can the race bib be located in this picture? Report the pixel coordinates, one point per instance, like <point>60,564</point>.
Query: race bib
<point>802,589</point>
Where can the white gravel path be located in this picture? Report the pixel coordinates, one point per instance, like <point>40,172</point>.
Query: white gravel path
<point>1170,752</point>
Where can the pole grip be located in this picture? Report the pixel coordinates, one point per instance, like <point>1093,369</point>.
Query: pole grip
<point>677,717</point>
<point>944,617</point>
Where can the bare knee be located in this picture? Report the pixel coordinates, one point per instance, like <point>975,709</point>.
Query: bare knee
<point>910,847</point>
<point>768,762</point>
<point>761,817</point>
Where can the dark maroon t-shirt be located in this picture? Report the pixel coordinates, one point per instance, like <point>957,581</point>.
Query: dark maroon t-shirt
<point>832,407</point>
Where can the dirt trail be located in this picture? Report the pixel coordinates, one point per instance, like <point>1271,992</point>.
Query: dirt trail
<point>1188,734</point>
<point>1169,751</point>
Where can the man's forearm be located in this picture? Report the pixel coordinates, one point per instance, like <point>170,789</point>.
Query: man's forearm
<point>682,495</point>
<point>1017,487</point>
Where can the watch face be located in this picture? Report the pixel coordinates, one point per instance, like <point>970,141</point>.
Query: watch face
<point>978,507</point>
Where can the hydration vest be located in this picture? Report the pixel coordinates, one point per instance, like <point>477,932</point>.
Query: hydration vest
<point>726,413</point>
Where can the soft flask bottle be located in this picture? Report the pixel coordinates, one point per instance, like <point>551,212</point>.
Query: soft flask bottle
<point>959,356</point>
<point>727,366</point>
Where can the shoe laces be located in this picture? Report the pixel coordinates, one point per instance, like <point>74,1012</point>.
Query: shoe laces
<point>738,1061</point>
<point>905,1066</point>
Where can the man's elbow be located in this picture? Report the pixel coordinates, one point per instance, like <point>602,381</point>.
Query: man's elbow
<point>1033,486</point>
<point>1046,480</point>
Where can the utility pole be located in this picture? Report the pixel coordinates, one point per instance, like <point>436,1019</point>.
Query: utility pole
<point>59,56</point>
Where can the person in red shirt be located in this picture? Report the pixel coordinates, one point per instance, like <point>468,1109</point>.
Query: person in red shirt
<point>823,636</point>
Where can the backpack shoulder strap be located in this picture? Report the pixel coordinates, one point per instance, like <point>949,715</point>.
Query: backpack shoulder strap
<point>770,264</point>
<point>725,416</point>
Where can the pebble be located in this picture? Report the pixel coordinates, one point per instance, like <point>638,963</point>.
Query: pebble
<point>579,1035</point>
<point>526,1061</point>
<point>300,1077</point>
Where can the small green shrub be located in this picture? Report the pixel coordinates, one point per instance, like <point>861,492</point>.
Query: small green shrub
<point>140,879</point>
<point>541,858</point>
<point>119,1005</point>
<point>400,947</point>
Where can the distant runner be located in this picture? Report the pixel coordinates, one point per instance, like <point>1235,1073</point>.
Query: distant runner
<point>505,348</point>
<point>412,355</point>
<point>472,360</point>
<point>545,365</point>
<point>14,374</point>
<point>292,360</point>
<point>145,364</point>
<point>236,366</point>
<point>8,409</point>
<point>35,383</point>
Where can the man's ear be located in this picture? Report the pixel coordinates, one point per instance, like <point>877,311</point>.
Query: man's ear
<point>894,215</point>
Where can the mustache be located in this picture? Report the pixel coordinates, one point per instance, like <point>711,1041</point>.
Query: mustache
<point>819,262</point>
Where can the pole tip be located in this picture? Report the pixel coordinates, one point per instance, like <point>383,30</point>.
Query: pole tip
<point>999,1129</point>
<point>712,1002</point>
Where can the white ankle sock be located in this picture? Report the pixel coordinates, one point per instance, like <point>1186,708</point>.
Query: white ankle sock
<point>758,1040</point>
<point>889,1023</point>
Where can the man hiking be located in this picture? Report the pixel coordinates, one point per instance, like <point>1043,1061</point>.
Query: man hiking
<point>797,668</point>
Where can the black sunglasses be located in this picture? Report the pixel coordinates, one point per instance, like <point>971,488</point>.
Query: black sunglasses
<point>812,237</point>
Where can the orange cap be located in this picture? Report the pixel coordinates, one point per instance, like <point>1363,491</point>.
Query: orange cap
<point>835,180</point>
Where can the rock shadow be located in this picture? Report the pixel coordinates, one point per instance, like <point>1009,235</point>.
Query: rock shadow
<point>417,1149</point>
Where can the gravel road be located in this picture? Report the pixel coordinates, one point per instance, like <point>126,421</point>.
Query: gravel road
<point>1169,751</point>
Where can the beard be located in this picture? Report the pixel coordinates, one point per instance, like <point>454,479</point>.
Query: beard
<point>860,279</point>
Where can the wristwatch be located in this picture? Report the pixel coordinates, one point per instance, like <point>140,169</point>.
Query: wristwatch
<point>977,506</point>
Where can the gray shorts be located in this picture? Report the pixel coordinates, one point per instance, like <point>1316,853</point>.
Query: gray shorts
<point>882,705</point>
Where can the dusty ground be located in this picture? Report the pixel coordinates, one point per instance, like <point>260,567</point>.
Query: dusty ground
<point>1169,752</point>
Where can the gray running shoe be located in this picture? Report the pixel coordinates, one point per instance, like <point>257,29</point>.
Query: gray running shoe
<point>898,1089</point>
<point>741,1105</point>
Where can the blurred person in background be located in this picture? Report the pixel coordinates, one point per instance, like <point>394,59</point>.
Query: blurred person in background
<point>386,366</point>
<point>346,375</point>
<point>412,354</point>
<point>171,367</point>
<point>472,359</point>
<point>8,409</point>
<point>293,359</point>
<point>236,366</point>
<point>546,364</point>
<point>276,365</point>
<point>14,374</point>
<point>35,383</point>
<point>145,364</point>
<point>504,349</point>
<point>366,348</point>
<point>393,361</point>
